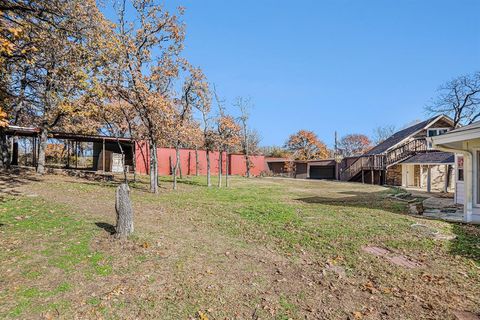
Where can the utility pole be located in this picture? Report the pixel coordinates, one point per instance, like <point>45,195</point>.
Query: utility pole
<point>336,143</point>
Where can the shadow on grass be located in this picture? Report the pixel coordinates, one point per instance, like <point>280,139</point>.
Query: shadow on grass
<point>14,178</point>
<point>353,199</point>
<point>467,242</point>
<point>106,226</point>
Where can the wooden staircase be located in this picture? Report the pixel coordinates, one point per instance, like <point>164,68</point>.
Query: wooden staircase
<point>374,162</point>
<point>383,161</point>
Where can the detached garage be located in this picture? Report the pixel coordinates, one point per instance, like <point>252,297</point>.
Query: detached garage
<point>323,169</point>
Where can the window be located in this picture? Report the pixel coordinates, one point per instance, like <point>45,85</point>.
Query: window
<point>433,132</point>
<point>460,168</point>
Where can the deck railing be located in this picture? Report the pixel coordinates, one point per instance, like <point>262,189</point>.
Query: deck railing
<point>406,150</point>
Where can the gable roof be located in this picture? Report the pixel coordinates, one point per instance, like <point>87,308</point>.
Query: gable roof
<point>401,135</point>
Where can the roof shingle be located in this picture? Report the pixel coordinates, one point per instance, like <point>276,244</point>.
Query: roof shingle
<point>435,157</point>
<point>398,136</point>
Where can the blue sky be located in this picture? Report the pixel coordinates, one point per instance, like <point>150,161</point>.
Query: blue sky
<point>341,65</point>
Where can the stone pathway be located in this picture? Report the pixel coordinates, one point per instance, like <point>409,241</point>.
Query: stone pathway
<point>442,209</point>
<point>397,259</point>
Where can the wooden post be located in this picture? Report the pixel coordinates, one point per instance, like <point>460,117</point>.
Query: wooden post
<point>76,154</point>
<point>34,148</point>
<point>103,154</point>
<point>38,149</point>
<point>373,177</point>
<point>68,154</point>
<point>429,179</point>
<point>363,177</point>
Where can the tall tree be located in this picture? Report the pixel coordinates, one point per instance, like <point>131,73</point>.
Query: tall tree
<point>65,41</point>
<point>459,98</point>
<point>305,145</point>
<point>354,144</point>
<point>148,64</point>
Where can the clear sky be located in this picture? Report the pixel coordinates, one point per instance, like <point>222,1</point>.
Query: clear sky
<point>331,65</point>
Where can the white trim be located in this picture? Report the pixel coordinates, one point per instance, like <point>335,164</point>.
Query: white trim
<point>467,178</point>
<point>453,136</point>
<point>475,179</point>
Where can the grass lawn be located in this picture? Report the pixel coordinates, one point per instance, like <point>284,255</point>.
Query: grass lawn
<point>262,249</point>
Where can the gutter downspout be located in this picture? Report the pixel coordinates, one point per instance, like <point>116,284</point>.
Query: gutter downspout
<point>468,178</point>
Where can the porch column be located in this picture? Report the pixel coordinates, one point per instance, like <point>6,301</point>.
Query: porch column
<point>445,188</point>
<point>429,179</point>
<point>468,185</point>
<point>373,177</point>
<point>421,177</point>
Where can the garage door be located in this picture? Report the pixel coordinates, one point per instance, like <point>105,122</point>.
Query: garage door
<point>322,172</point>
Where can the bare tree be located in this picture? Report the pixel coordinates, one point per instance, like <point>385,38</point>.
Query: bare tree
<point>221,113</point>
<point>382,133</point>
<point>459,98</point>
<point>244,105</point>
<point>209,137</point>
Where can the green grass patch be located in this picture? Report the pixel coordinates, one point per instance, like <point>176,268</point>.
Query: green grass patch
<point>48,237</point>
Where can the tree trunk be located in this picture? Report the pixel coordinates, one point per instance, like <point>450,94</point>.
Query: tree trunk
<point>247,147</point>
<point>196,162</point>
<point>153,167</point>
<point>123,207</point>
<point>4,154</point>
<point>227,170</point>
<point>175,169</point>
<point>247,162</point>
<point>220,169</point>
<point>41,151</point>
<point>134,163</point>
<point>179,164</point>
<point>209,178</point>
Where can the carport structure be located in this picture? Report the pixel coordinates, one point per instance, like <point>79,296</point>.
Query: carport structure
<point>76,151</point>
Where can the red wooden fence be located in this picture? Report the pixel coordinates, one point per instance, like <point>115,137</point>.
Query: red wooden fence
<point>237,164</point>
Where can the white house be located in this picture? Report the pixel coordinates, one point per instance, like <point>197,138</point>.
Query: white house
<point>465,143</point>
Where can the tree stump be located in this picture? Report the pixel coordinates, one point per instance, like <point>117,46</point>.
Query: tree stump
<point>123,206</point>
